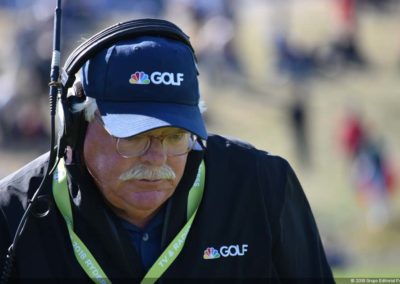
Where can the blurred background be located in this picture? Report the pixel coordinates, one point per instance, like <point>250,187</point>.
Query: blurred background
<point>314,81</point>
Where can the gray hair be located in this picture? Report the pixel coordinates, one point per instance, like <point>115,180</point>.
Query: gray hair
<point>89,106</point>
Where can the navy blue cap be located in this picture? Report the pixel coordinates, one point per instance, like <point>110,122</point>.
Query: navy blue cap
<point>143,84</point>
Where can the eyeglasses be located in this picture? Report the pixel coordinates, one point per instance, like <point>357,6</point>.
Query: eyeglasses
<point>174,144</point>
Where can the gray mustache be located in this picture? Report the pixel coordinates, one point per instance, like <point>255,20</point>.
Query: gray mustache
<point>151,173</point>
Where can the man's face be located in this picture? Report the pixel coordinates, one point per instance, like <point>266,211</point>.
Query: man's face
<point>136,200</point>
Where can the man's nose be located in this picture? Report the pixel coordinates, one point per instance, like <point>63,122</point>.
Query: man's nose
<point>156,153</point>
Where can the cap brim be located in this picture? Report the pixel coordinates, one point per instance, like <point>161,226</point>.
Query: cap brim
<point>129,119</point>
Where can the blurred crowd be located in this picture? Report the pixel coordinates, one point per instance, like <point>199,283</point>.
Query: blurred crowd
<point>298,65</point>
<point>25,64</point>
<point>24,78</point>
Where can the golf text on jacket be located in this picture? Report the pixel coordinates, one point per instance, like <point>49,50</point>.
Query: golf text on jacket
<point>225,251</point>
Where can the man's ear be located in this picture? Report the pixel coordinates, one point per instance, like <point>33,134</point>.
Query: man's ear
<point>68,155</point>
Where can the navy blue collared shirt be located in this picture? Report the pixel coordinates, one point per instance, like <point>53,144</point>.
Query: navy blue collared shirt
<point>147,241</point>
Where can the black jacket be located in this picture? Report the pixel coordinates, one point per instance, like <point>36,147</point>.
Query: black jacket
<point>253,206</point>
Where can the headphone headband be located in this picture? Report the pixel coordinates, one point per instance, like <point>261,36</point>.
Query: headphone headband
<point>112,34</point>
<point>74,122</point>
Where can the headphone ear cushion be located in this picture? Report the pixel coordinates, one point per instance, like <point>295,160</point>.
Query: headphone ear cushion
<point>74,121</point>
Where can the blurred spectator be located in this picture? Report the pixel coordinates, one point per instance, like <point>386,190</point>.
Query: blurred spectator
<point>379,5</point>
<point>297,65</point>
<point>372,173</point>
<point>214,35</point>
<point>374,181</point>
<point>298,112</point>
<point>351,134</point>
<point>346,47</point>
<point>292,59</point>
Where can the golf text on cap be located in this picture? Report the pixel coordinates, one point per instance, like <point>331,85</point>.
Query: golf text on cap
<point>157,78</point>
<point>225,251</point>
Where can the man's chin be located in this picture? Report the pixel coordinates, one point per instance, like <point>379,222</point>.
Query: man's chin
<point>148,199</point>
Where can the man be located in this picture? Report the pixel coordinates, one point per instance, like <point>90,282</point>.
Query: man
<point>146,193</point>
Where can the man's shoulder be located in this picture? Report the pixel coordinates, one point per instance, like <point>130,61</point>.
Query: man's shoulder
<point>22,176</point>
<point>237,146</point>
<point>216,140</point>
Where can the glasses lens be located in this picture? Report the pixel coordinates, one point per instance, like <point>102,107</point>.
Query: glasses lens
<point>174,144</point>
<point>178,143</point>
<point>133,146</point>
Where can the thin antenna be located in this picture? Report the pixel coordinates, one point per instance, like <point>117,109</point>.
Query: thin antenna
<point>54,87</point>
<point>55,61</point>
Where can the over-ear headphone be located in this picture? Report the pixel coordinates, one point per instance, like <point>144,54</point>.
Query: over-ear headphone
<point>74,122</point>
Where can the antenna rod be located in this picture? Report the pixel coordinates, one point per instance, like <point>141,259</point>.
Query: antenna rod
<point>55,61</point>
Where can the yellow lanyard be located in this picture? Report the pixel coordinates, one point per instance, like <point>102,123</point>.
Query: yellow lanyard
<point>82,253</point>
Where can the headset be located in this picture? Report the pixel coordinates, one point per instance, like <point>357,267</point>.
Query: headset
<point>69,92</point>
<point>74,123</point>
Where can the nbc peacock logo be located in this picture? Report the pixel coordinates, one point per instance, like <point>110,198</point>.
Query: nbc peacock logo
<point>211,253</point>
<point>139,78</point>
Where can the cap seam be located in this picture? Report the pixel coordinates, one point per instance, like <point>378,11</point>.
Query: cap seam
<point>110,53</point>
